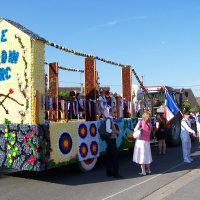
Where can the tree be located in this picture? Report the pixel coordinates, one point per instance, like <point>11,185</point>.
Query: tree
<point>186,106</point>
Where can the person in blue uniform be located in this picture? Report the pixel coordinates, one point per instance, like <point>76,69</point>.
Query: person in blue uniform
<point>186,131</point>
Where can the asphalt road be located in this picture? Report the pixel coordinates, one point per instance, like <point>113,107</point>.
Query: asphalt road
<point>69,183</point>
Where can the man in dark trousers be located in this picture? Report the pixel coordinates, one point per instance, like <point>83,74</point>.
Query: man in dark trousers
<point>112,166</point>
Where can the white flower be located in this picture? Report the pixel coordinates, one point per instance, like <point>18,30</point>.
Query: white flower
<point>26,90</point>
<point>16,35</point>
<point>23,87</point>
<point>26,112</point>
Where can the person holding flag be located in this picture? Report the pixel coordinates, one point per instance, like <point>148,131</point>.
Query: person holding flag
<point>171,109</point>
<point>186,131</point>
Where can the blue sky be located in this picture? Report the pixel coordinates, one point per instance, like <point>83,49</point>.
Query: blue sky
<point>160,39</point>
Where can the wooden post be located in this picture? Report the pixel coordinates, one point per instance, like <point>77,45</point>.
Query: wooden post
<point>90,88</point>
<point>127,89</point>
<point>53,89</point>
<point>36,107</point>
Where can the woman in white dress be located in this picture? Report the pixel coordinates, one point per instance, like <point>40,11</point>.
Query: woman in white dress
<point>142,149</point>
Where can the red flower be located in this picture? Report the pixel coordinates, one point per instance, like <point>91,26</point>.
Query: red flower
<point>11,91</point>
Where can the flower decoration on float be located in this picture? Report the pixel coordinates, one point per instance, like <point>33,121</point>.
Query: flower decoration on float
<point>94,148</point>
<point>82,131</point>
<point>23,81</point>
<point>65,143</point>
<point>83,150</point>
<point>12,150</point>
<point>28,141</point>
<point>93,130</point>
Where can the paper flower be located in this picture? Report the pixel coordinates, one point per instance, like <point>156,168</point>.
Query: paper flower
<point>10,161</point>
<point>11,91</point>
<point>13,135</point>
<point>14,154</point>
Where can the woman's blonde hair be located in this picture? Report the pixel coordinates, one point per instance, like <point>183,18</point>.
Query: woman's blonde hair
<point>146,116</point>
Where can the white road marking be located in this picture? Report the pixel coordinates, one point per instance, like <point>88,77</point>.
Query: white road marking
<point>133,186</point>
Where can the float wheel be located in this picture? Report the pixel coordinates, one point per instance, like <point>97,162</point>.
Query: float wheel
<point>87,165</point>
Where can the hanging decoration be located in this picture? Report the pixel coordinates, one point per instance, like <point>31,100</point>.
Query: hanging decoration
<point>141,84</point>
<point>98,58</point>
<point>68,69</point>
<point>84,54</point>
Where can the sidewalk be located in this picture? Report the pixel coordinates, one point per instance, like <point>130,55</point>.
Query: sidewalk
<point>183,188</point>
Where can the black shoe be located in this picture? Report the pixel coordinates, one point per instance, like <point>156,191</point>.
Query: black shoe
<point>118,176</point>
<point>109,173</point>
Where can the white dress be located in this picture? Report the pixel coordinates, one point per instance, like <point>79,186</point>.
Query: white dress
<point>142,152</point>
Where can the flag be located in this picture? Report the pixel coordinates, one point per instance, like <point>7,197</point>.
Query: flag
<point>170,106</point>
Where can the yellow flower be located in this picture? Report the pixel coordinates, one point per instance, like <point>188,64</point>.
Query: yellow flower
<point>6,130</point>
<point>13,135</point>
<point>6,135</point>
<point>14,154</point>
<point>16,148</point>
<point>10,161</point>
<point>13,142</point>
<point>8,146</point>
<point>9,155</point>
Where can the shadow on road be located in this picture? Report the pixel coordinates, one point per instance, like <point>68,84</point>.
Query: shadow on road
<point>70,175</point>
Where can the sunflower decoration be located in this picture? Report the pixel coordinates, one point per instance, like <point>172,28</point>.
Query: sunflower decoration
<point>65,143</point>
<point>93,130</point>
<point>94,148</point>
<point>83,150</point>
<point>82,131</point>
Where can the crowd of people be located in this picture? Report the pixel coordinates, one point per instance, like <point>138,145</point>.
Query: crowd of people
<point>142,148</point>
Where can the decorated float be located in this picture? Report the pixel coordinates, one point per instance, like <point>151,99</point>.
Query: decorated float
<point>37,131</point>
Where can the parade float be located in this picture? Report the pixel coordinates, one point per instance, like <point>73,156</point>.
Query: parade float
<point>36,132</point>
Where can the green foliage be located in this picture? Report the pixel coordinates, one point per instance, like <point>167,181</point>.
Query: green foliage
<point>6,121</point>
<point>63,94</point>
<point>186,106</point>
<point>195,109</point>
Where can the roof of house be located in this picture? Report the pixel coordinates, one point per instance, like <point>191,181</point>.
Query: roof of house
<point>187,95</point>
<point>23,29</point>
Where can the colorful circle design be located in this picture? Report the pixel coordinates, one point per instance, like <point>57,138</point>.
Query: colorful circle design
<point>82,131</point>
<point>65,143</point>
<point>93,130</point>
<point>94,148</point>
<point>83,149</point>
